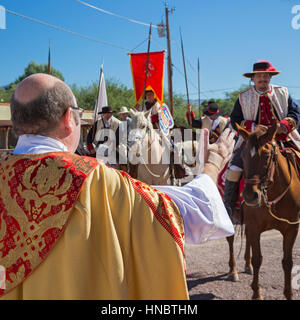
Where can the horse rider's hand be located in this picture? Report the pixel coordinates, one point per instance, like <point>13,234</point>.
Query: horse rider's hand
<point>282,129</point>
<point>219,153</point>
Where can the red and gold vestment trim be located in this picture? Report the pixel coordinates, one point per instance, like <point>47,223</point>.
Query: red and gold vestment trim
<point>37,195</point>
<point>163,208</point>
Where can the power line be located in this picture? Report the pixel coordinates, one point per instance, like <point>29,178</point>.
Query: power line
<point>158,45</point>
<point>115,15</point>
<point>179,71</point>
<point>218,90</point>
<point>65,30</point>
<point>184,76</point>
<point>174,41</point>
<point>190,82</point>
<point>139,45</point>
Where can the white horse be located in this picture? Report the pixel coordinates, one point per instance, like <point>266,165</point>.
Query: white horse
<point>150,150</point>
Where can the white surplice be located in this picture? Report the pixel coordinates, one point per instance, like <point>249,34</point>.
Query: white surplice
<point>199,202</point>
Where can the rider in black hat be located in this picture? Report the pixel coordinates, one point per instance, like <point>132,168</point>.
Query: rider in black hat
<point>212,120</point>
<point>261,104</point>
<point>107,121</point>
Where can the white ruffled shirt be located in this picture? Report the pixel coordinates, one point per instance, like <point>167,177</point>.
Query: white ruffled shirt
<point>199,202</point>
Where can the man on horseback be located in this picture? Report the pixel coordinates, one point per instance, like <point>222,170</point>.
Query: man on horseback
<point>212,121</point>
<point>153,104</point>
<point>261,104</point>
<point>97,134</point>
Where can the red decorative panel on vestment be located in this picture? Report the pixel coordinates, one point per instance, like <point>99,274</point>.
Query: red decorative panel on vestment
<point>37,194</point>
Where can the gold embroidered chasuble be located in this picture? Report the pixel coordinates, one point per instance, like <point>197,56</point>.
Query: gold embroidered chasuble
<point>71,228</point>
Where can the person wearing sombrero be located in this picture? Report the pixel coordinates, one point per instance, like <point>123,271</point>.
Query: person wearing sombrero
<point>96,135</point>
<point>261,104</point>
<point>212,120</point>
<point>123,114</point>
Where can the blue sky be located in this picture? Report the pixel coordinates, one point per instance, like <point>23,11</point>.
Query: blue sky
<point>227,37</point>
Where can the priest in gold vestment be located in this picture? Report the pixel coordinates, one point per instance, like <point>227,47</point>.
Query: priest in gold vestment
<point>73,228</point>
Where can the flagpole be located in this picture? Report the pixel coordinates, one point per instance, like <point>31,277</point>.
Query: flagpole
<point>199,101</point>
<point>96,106</point>
<point>186,83</point>
<point>170,85</point>
<point>147,65</point>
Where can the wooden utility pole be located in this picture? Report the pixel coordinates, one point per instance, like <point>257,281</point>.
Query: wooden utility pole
<point>170,85</point>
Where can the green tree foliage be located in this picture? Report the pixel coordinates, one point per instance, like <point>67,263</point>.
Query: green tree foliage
<point>39,68</point>
<point>227,104</point>
<point>179,108</point>
<point>6,93</point>
<point>118,95</point>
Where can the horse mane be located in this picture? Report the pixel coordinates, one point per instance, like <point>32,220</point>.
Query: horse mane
<point>139,119</point>
<point>255,137</point>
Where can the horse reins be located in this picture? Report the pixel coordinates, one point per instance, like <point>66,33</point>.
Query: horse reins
<point>143,161</point>
<point>269,177</point>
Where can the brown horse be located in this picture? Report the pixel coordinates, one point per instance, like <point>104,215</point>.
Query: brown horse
<point>233,273</point>
<point>271,198</point>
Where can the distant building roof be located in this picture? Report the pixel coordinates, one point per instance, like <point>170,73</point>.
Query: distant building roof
<point>5,116</point>
<point>87,117</point>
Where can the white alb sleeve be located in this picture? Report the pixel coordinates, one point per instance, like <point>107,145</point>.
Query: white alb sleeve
<point>202,209</point>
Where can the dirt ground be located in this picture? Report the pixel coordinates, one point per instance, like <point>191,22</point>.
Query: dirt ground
<point>207,269</point>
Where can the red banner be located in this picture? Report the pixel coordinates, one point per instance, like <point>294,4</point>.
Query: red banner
<point>155,74</point>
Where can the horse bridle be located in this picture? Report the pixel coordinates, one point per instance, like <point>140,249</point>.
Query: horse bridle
<point>141,140</point>
<point>268,178</point>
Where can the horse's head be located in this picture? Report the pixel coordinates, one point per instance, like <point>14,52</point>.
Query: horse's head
<point>140,119</point>
<point>258,157</point>
<point>139,128</point>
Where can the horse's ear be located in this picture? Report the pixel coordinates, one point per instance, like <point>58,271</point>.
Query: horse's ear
<point>132,112</point>
<point>243,132</point>
<point>147,114</point>
<point>273,130</point>
<point>270,134</point>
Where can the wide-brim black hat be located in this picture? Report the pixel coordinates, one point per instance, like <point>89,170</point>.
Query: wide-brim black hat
<point>149,91</point>
<point>212,109</point>
<point>262,66</point>
<point>107,109</point>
